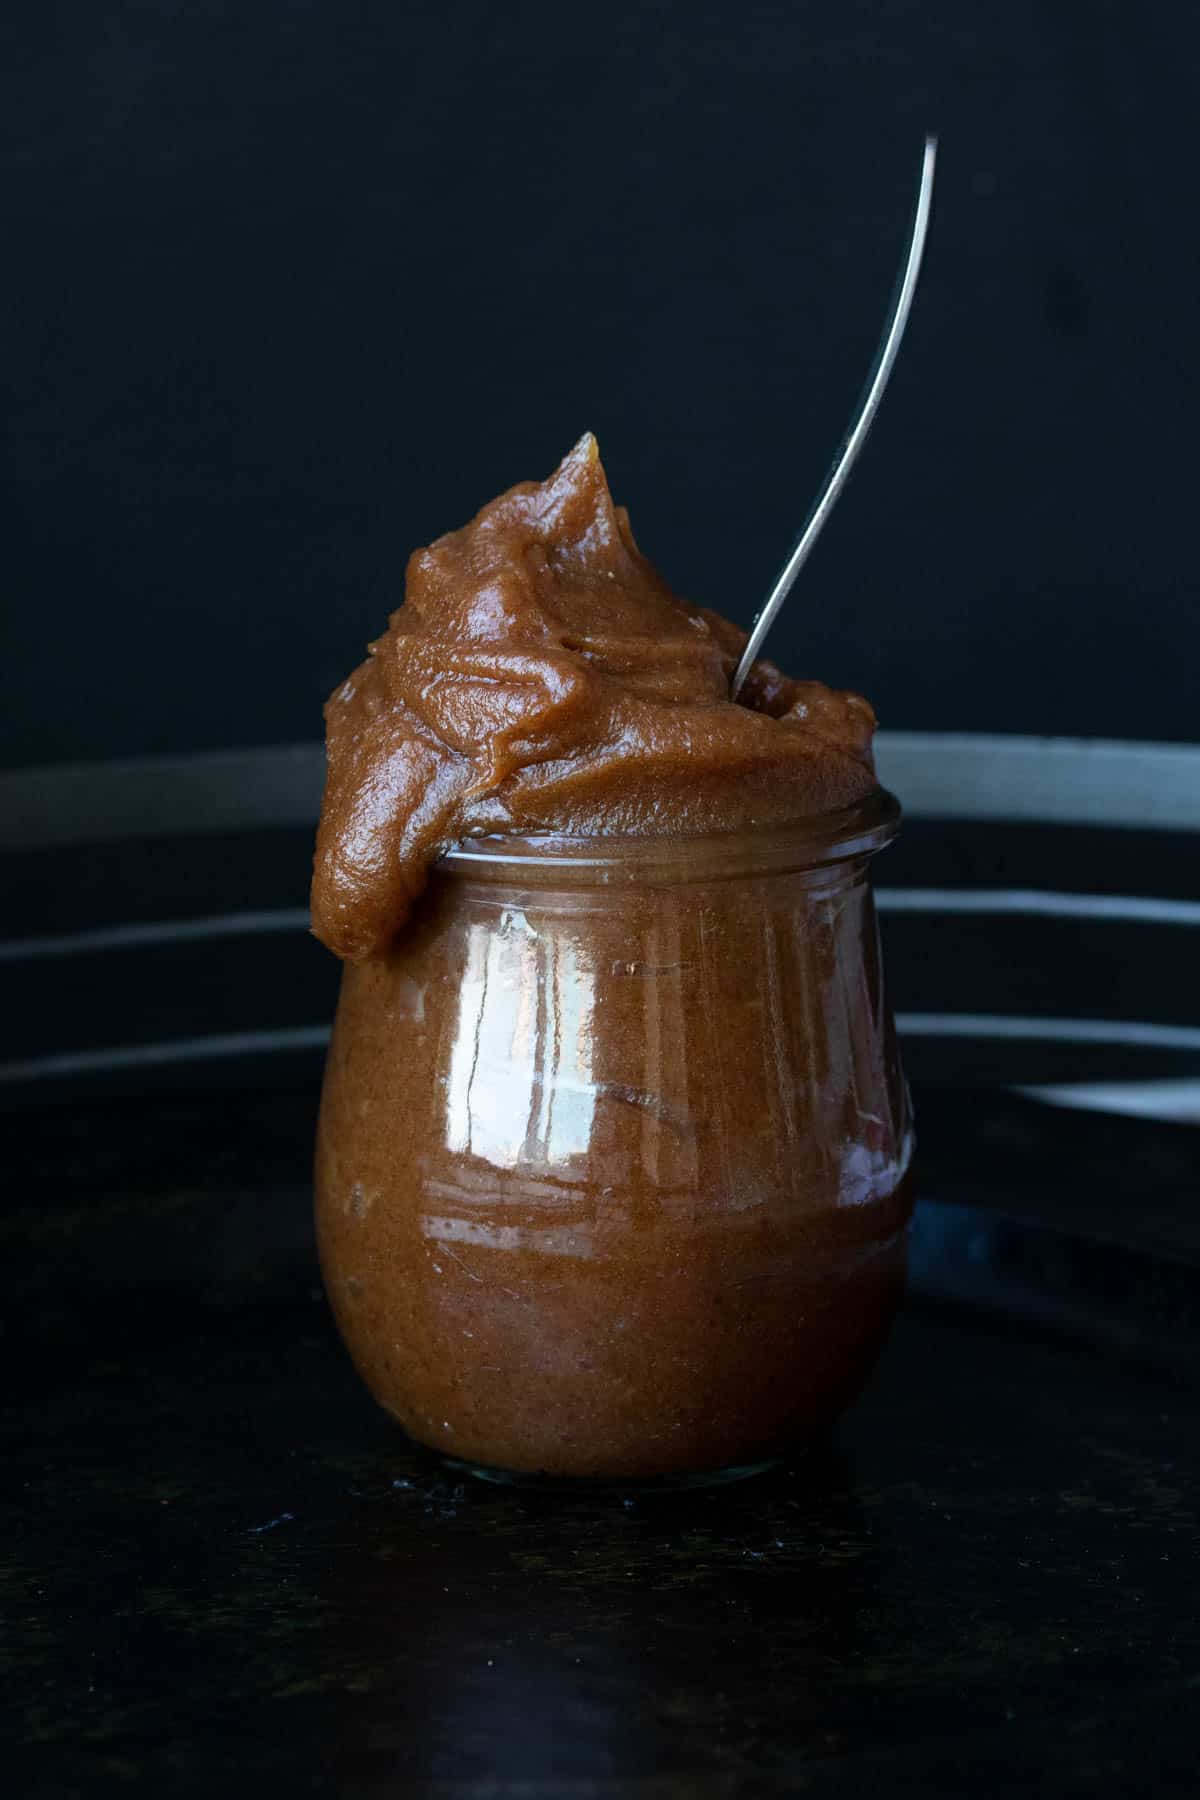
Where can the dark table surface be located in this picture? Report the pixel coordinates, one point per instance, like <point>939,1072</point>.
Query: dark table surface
<point>225,1569</point>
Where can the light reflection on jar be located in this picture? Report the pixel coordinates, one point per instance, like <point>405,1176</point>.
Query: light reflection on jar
<point>519,1082</point>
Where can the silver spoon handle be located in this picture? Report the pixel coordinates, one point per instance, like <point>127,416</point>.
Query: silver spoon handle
<point>884,362</point>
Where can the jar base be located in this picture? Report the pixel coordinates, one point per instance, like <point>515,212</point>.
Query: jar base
<point>605,1484</point>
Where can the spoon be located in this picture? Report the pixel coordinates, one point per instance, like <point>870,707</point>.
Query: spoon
<point>885,358</point>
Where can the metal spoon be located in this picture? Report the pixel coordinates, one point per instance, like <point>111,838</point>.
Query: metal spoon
<point>884,362</point>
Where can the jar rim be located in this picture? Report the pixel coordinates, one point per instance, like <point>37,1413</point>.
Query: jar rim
<point>807,842</point>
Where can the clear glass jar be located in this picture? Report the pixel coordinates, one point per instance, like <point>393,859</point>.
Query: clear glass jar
<point>612,1168</point>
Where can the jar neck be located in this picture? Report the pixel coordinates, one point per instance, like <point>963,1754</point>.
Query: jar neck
<point>849,835</point>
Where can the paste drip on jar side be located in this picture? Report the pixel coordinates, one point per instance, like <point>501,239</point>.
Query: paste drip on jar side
<point>541,677</point>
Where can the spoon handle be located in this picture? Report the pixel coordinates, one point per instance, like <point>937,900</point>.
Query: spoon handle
<point>885,359</point>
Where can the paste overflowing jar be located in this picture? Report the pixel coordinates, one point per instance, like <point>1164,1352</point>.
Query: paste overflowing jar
<point>613,1158</point>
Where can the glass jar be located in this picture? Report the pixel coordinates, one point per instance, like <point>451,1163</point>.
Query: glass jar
<point>612,1167</point>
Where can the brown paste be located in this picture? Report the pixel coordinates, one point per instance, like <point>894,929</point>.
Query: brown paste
<point>541,677</point>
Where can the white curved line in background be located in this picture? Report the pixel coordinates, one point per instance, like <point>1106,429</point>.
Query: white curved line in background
<point>1068,781</point>
<point>1033,903</point>
<point>1078,781</point>
<point>1023,902</point>
<point>1056,1031</point>
<point>156,931</point>
<point>1175,1098</point>
<point>161,796</point>
<point>314,1037</point>
<point>175,1050</point>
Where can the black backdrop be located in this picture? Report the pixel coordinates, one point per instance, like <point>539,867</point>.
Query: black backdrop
<point>291,287</point>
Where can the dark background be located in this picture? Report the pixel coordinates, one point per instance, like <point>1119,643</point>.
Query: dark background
<point>291,288</point>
